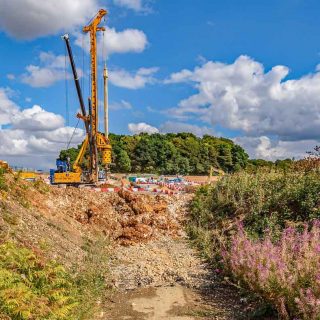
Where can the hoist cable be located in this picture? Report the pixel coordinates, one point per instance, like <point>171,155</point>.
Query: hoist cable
<point>66,85</point>
<point>74,131</point>
<point>82,47</point>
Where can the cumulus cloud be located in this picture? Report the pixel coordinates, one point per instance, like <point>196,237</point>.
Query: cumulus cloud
<point>50,70</point>
<point>265,148</point>
<point>176,127</point>
<point>36,119</point>
<point>136,128</point>
<point>243,96</point>
<point>10,76</point>
<point>137,80</point>
<point>7,107</point>
<point>170,127</point>
<point>121,105</point>
<point>136,5</point>
<point>128,40</point>
<point>32,136</point>
<point>28,19</point>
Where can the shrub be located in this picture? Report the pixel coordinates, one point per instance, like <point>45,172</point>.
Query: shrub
<point>262,201</point>
<point>3,185</point>
<point>285,273</point>
<point>31,288</point>
<point>91,278</point>
<point>276,262</point>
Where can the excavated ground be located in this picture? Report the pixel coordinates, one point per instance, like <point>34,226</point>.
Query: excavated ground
<point>154,273</point>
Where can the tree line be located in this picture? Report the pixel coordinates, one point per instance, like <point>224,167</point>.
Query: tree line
<point>171,153</point>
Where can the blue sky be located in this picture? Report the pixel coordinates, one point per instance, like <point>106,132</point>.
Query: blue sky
<point>243,69</point>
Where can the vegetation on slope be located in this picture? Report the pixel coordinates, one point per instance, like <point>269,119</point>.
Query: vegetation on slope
<point>257,227</point>
<point>181,153</point>
<point>31,288</point>
<point>33,285</point>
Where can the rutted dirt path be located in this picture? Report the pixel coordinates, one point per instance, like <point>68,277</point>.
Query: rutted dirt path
<point>166,279</point>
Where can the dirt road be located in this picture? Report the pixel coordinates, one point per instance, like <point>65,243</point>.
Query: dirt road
<point>166,279</point>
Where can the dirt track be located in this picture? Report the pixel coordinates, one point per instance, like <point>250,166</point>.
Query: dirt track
<point>166,279</point>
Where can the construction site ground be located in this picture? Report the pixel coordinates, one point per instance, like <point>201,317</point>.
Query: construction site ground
<point>154,273</point>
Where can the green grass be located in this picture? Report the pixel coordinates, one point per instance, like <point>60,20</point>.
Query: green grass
<point>92,278</point>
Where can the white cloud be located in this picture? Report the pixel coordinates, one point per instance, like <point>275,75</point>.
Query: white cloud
<point>7,107</point>
<point>137,80</point>
<point>242,96</point>
<point>136,5</point>
<point>36,119</point>
<point>176,127</point>
<point>265,148</point>
<point>28,19</point>
<point>10,76</point>
<point>128,40</point>
<point>50,70</point>
<point>41,77</point>
<point>170,127</point>
<point>136,128</point>
<point>33,136</point>
<point>122,105</point>
<point>181,76</point>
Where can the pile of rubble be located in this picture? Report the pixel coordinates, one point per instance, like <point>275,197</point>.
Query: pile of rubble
<point>125,216</point>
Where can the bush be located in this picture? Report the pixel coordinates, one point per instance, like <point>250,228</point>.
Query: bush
<point>273,253</point>
<point>3,185</point>
<point>31,288</point>
<point>285,273</point>
<point>261,201</point>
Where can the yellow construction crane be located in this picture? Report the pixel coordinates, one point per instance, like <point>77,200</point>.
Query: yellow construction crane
<point>97,144</point>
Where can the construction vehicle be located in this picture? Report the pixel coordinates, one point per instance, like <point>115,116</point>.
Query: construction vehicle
<point>96,145</point>
<point>22,173</point>
<point>27,175</point>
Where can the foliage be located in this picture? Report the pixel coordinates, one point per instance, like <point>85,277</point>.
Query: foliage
<point>3,185</point>
<point>31,288</point>
<point>41,186</point>
<point>91,278</point>
<point>71,152</point>
<point>273,253</point>
<point>255,165</point>
<point>181,153</point>
<point>262,200</point>
<point>285,273</point>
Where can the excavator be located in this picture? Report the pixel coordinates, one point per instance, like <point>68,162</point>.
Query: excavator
<point>96,149</point>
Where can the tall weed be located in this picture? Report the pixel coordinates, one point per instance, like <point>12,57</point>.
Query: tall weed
<point>285,273</point>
